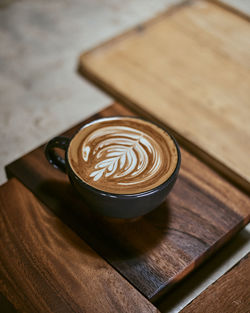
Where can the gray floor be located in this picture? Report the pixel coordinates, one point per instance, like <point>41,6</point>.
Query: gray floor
<point>41,94</point>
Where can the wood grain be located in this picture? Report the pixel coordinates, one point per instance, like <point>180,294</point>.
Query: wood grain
<point>190,70</point>
<point>45,267</point>
<point>229,294</point>
<point>154,252</point>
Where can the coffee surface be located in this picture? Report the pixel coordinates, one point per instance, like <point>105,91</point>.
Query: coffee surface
<point>122,155</point>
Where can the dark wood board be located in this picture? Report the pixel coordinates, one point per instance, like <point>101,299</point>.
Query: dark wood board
<point>229,294</point>
<point>156,251</point>
<point>188,69</point>
<point>45,267</point>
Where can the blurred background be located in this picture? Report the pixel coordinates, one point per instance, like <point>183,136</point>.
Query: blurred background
<point>41,93</point>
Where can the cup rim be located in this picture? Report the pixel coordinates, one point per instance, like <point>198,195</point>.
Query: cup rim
<point>128,195</point>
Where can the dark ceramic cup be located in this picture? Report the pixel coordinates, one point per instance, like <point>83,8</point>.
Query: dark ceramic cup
<point>111,204</point>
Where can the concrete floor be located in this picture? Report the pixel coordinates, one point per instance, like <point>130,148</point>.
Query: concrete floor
<point>41,94</point>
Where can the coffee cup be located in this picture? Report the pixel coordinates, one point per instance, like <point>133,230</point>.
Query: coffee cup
<point>123,167</point>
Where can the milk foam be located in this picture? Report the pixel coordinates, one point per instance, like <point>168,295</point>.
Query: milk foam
<point>122,152</point>
<point>122,155</point>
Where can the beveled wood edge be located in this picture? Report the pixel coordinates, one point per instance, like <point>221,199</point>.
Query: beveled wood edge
<point>230,8</point>
<point>156,298</point>
<point>237,264</point>
<point>83,69</point>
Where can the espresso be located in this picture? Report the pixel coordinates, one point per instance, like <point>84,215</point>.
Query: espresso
<point>122,155</point>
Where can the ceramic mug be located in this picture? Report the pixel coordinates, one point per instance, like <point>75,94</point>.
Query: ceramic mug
<point>110,204</point>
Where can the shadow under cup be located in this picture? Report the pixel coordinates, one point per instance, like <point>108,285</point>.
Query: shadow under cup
<point>115,205</point>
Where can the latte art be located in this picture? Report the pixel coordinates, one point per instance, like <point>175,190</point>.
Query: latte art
<point>122,155</point>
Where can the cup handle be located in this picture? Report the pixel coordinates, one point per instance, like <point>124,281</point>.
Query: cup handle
<point>54,159</point>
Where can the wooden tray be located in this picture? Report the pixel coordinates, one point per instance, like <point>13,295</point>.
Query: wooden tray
<point>229,294</point>
<point>45,267</point>
<point>188,69</point>
<point>156,251</point>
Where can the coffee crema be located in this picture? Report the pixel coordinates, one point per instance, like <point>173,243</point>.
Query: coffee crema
<point>122,155</point>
